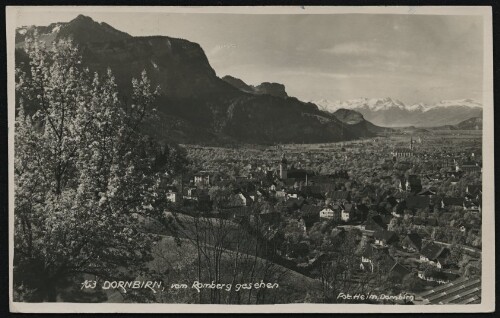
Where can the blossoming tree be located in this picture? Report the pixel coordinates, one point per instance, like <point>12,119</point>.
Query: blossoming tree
<point>85,176</point>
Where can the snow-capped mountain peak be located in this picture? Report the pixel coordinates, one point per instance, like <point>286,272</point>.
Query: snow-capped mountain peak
<point>387,103</point>
<point>393,112</point>
<point>373,104</point>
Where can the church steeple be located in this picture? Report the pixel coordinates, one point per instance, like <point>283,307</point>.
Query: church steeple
<point>283,159</point>
<point>411,142</point>
<point>283,167</point>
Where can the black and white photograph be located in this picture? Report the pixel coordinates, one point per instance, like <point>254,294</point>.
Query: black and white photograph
<point>239,159</point>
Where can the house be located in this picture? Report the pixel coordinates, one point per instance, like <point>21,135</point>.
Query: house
<point>375,223</point>
<point>399,209</point>
<point>172,195</point>
<point>191,194</point>
<point>452,174</point>
<point>294,204</point>
<point>474,190</point>
<point>240,198</point>
<point>385,238</point>
<point>400,196</point>
<point>313,192</point>
<point>202,178</point>
<point>258,195</point>
<point>412,184</point>
<point>412,242</point>
<point>367,259</point>
<point>448,162</point>
<point>450,202</point>
<point>339,196</point>
<point>472,207</point>
<point>281,194</point>
<point>348,212</point>
<point>398,272</point>
<point>300,175</point>
<point>453,180</point>
<point>402,152</point>
<point>328,213</point>
<point>437,276</point>
<point>427,192</point>
<point>373,256</point>
<point>469,166</point>
<point>310,211</point>
<point>417,202</point>
<point>434,254</point>
<point>292,195</point>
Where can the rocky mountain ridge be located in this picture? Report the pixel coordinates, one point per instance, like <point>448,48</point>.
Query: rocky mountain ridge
<point>195,106</point>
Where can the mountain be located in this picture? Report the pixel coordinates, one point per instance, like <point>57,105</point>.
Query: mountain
<point>356,124</point>
<point>394,113</point>
<point>266,88</point>
<point>474,123</point>
<point>82,29</point>
<point>356,121</point>
<point>348,116</point>
<point>239,84</point>
<point>195,105</point>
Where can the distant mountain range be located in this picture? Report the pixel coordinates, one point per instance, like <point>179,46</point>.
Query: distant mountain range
<point>196,106</point>
<point>390,112</point>
<point>475,123</point>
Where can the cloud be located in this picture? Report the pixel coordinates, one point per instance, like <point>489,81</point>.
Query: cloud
<point>366,49</point>
<point>220,48</point>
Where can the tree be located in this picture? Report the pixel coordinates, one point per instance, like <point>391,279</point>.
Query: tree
<point>412,283</point>
<point>336,272</point>
<point>220,196</point>
<point>456,254</point>
<point>223,252</point>
<point>85,175</point>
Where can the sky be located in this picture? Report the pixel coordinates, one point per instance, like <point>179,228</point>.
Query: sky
<point>413,58</point>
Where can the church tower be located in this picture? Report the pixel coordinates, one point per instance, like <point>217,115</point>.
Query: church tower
<point>411,142</point>
<point>283,167</point>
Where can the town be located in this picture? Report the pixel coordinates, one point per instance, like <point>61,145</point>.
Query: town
<point>405,207</point>
<point>293,157</point>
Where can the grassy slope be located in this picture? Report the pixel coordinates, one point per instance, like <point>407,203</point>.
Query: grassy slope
<point>175,261</point>
<point>293,286</point>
